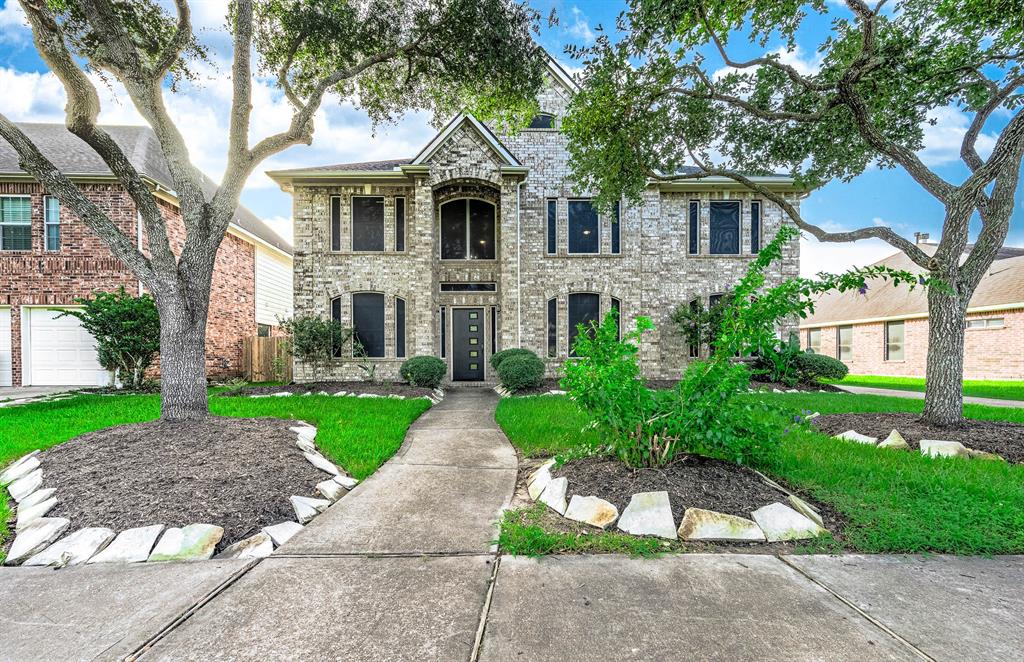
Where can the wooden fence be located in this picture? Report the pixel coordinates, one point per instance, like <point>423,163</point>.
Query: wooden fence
<point>258,357</point>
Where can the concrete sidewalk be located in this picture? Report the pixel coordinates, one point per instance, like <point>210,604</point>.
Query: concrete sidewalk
<point>919,395</point>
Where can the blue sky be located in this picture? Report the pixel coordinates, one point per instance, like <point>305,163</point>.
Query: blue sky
<point>343,133</point>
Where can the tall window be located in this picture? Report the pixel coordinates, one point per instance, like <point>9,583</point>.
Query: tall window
<point>552,327</point>
<point>755,226</point>
<point>400,328</point>
<point>694,349</point>
<point>814,340</point>
<point>494,329</point>
<point>51,221</point>
<point>616,306</point>
<point>844,343</point>
<point>367,223</point>
<point>585,309</point>
<point>552,227</point>
<point>399,224</point>
<point>336,316</point>
<point>335,223</point>
<point>616,231</point>
<point>894,341</point>
<point>584,230</point>
<point>444,333</point>
<point>16,223</point>
<point>693,234</point>
<point>467,230</point>
<point>725,227</point>
<point>368,324</point>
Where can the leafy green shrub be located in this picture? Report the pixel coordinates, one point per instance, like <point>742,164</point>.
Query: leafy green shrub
<point>818,366</point>
<point>425,371</point>
<point>498,357</point>
<point>315,340</point>
<point>523,370</point>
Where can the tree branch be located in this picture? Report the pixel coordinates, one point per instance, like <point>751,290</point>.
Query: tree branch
<point>178,43</point>
<point>968,151</point>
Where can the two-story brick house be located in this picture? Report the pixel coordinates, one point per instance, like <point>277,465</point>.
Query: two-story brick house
<point>48,258</point>
<point>481,242</point>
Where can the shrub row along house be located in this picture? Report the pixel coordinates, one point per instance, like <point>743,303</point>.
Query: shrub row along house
<point>885,330</point>
<point>48,258</point>
<point>481,242</point>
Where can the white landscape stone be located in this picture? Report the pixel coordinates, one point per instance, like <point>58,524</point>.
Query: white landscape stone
<point>939,448</point>
<point>306,446</point>
<point>283,532</point>
<point>556,391</point>
<point>554,494</point>
<point>984,455</point>
<point>281,394</point>
<point>130,546</point>
<point>700,524</point>
<point>853,435</point>
<point>19,469</point>
<point>35,511</point>
<point>191,543</point>
<point>306,508</point>
<point>649,514</point>
<point>304,431</point>
<point>26,485</point>
<point>346,481</point>
<point>806,510</point>
<point>331,490</point>
<point>592,510</point>
<point>38,496</point>
<point>35,537</point>
<point>322,463</point>
<point>780,522</point>
<point>76,549</point>
<point>539,479</point>
<point>811,417</point>
<point>369,395</point>
<point>340,394</point>
<point>895,441</point>
<point>259,546</point>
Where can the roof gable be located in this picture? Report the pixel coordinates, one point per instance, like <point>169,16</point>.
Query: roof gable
<point>505,157</point>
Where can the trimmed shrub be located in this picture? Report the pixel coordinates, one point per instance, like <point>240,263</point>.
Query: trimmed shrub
<point>521,371</point>
<point>425,371</point>
<point>818,366</point>
<point>498,357</point>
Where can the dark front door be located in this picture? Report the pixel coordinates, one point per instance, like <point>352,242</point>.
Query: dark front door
<point>468,344</point>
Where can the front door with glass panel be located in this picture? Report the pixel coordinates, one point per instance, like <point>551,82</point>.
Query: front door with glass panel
<point>468,344</point>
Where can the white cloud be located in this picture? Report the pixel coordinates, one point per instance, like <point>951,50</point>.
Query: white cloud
<point>817,256</point>
<point>580,28</point>
<point>944,133</point>
<point>805,64</point>
<point>13,25</point>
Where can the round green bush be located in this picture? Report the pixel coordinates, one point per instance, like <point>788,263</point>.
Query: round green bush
<point>498,357</point>
<point>425,371</point>
<point>818,366</point>
<point>521,371</point>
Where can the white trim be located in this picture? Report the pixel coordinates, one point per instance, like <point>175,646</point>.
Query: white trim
<point>562,75</point>
<point>28,224</point>
<point>910,316</point>
<point>242,233</point>
<point>484,132</point>
<point>440,232</point>
<point>568,227</point>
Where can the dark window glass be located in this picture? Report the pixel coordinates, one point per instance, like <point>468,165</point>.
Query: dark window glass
<point>453,230</point>
<point>494,329</point>
<point>618,318</point>
<point>542,121</point>
<point>335,224</point>
<point>552,227</point>
<point>399,224</point>
<point>616,231</point>
<point>400,328</point>
<point>583,228</point>
<point>695,347</point>
<point>552,327</point>
<point>368,323</point>
<point>444,335</point>
<point>263,330</point>
<point>336,316</point>
<point>755,226</point>
<point>481,230</point>
<point>725,227</point>
<point>584,308</point>
<point>694,233</point>
<point>469,287</point>
<point>367,223</point>
<point>467,223</point>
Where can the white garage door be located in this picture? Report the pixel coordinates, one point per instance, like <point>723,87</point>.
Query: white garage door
<point>61,352</point>
<point>5,346</point>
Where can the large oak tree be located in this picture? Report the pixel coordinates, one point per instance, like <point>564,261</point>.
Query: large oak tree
<point>389,56</point>
<point>671,92</point>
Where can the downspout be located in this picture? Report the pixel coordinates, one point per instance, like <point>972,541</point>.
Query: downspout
<point>519,264</point>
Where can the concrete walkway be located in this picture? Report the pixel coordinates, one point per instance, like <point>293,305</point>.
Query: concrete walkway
<point>919,395</point>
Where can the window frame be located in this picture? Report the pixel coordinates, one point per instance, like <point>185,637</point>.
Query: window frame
<point>47,224</point>
<point>469,231</point>
<point>383,328</point>
<point>615,242</point>
<point>810,344</point>
<point>335,304</point>
<point>400,247</point>
<point>334,222</point>
<point>452,287</point>
<point>443,334</point>
<point>401,327</point>
<point>693,228</point>
<point>839,344</point>
<point>551,227</point>
<point>568,226</point>
<point>551,327</point>
<point>739,226</point>
<point>541,113</point>
<point>756,224</point>
<point>887,354</point>
<point>570,327</point>
<point>20,224</point>
<point>352,224</point>
<point>986,323</point>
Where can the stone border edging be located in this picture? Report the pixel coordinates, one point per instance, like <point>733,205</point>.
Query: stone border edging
<point>928,447</point>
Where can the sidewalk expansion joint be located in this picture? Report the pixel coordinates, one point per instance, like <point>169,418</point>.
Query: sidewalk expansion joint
<point>485,611</point>
<point>379,555</point>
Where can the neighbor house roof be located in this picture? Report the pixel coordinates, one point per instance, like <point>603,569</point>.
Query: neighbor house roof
<point>1001,287</point>
<point>75,158</point>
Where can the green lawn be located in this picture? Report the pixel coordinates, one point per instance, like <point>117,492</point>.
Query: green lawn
<point>1006,390</point>
<point>894,502</point>
<point>359,434</point>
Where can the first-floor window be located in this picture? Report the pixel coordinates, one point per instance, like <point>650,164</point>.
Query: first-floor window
<point>51,221</point>
<point>336,316</point>
<point>894,341</point>
<point>814,340</point>
<point>16,223</point>
<point>990,323</point>
<point>584,229</point>
<point>695,346</point>
<point>263,330</point>
<point>368,324</point>
<point>399,224</point>
<point>844,343</point>
<point>552,327</point>
<point>444,334</point>
<point>494,329</point>
<point>617,307</point>
<point>400,328</point>
<point>725,227</point>
<point>585,310</point>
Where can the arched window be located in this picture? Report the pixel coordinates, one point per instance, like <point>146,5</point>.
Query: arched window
<point>467,230</point>
<point>585,309</point>
<point>542,121</point>
<point>368,324</point>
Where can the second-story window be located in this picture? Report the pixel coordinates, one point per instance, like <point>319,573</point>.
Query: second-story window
<point>725,227</point>
<point>16,223</point>
<point>693,233</point>
<point>51,221</point>
<point>367,223</point>
<point>755,226</point>
<point>399,224</point>
<point>584,234</point>
<point>467,230</point>
<point>616,230</point>
<point>552,226</point>
<point>542,121</point>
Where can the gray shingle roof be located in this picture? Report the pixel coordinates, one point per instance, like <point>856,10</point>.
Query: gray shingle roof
<point>360,166</point>
<point>73,156</point>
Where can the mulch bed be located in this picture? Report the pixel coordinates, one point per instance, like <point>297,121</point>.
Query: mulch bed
<point>378,388</point>
<point>664,384</point>
<point>237,473</point>
<point>545,386</point>
<point>1006,439</point>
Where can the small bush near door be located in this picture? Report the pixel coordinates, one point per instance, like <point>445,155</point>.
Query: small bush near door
<point>523,370</point>
<point>425,371</point>
<point>498,357</point>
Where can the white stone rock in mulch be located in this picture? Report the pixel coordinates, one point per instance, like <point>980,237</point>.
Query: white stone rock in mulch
<point>331,490</point>
<point>26,485</point>
<point>780,522</point>
<point>191,543</point>
<point>130,546</point>
<point>346,481</point>
<point>553,495</point>
<point>306,446</point>
<point>939,448</point>
<point>23,467</point>
<point>539,479</point>
<point>38,496</point>
<point>27,514</point>
<point>304,431</point>
<point>322,463</point>
<point>592,510</point>
<point>323,393</point>
<point>307,393</point>
<point>700,524</point>
<point>76,549</point>
<point>259,546</point>
<point>811,417</point>
<point>649,514</point>
<point>394,396</point>
<point>283,532</point>
<point>975,454</point>
<point>777,390</point>
<point>556,391</point>
<point>306,508</point>
<point>806,510</point>
<point>281,394</point>
<point>370,395</point>
<point>895,441</point>
<point>341,394</point>
<point>35,537</point>
<point>853,435</point>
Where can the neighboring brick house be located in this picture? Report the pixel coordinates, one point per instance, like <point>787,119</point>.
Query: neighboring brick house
<point>481,243</point>
<point>48,258</point>
<point>885,330</point>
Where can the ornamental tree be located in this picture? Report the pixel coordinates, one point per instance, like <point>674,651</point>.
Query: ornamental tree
<point>391,56</point>
<point>670,93</point>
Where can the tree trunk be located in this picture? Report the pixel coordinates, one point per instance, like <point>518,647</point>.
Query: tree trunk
<point>944,396</point>
<point>182,358</point>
